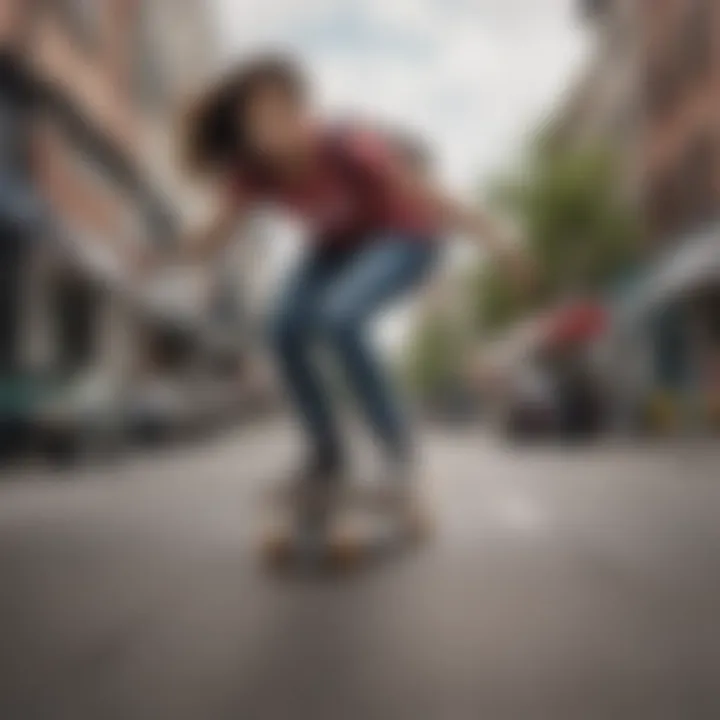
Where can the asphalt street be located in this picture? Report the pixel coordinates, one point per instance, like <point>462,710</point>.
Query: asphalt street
<point>564,584</point>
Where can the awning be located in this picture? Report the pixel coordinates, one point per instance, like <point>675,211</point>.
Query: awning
<point>694,263</point>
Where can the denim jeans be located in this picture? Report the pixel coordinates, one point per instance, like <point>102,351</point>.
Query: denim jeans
<point>329,301</point>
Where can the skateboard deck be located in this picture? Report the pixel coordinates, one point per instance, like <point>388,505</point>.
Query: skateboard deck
<point>356,526</point>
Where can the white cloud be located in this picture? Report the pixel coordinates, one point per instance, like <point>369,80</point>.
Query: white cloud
<point>473,75</point>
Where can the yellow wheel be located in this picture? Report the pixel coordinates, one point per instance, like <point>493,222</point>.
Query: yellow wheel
<point>418,520</point>
<point>345,552</point>
<point>276,548</point>
<point>421,525</point>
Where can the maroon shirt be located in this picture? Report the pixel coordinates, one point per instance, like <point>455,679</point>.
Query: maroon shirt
<point>350,196</point>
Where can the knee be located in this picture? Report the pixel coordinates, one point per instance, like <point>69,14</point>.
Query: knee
<point>338,325</point>
<point>286,330</point>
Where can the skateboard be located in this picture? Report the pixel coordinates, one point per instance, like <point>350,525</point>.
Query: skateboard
<point>340,529</point>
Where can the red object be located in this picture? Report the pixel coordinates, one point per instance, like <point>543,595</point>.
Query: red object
<point>576,324</point>
<point>350,195</point>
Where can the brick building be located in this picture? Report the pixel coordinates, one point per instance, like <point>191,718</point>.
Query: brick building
<point>70,136</point>
<point>123,68</point>
<point>86,51</point>
<point>681,79</point>
<point>673,311</point>
<point>666,55</point>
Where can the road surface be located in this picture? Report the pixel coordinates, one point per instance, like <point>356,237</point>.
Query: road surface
<point>574,585</point>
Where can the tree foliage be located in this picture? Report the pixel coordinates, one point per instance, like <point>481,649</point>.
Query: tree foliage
<point>433,354</point>
<point>581,231</point>
<point>582,235</point>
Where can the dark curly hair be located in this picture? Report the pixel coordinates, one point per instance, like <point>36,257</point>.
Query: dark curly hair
<point>214,139</point>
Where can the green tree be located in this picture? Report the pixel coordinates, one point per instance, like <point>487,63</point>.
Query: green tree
<point>582,236</point>
<point>582,232</point>
<point>431,363</point>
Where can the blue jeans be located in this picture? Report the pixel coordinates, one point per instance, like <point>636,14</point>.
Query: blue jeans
<point>330,300</point>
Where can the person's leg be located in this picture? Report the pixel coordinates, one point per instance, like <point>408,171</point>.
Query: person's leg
<point>375,276</point>
<point>292,330</point>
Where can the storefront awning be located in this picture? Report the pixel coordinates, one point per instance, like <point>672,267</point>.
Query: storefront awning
<point>693,264</point>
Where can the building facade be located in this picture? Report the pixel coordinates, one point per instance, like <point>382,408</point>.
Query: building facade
<point>108,180</point>
<point>603,107</point>
<point>672,312</point>
<point>681,78</point>
<point>75,315</point>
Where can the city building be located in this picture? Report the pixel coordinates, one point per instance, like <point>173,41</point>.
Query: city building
<point>70,139</point>
<point>110,186</point>
<point>603,107</point>
<point>648,93</point>
<point>682,117</point>
<point>670,314</point>
<point>84,50</point>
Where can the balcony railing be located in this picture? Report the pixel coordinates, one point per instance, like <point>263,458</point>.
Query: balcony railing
<point>117,166</point>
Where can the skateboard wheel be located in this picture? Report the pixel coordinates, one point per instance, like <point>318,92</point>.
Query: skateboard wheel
<point>421,525</point>
<point>345,553</point>
<point>276,549</point>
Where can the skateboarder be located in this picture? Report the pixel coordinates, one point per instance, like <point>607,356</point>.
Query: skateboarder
<point>375,227</point>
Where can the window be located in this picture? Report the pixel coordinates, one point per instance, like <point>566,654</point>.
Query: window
<point>13,258</point>
<point>713,308</point>
<point>76,307</point>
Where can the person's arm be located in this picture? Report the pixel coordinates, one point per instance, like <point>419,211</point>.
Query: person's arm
<point>475,222</point>
<point>455,215</point>
<point>403,179</point>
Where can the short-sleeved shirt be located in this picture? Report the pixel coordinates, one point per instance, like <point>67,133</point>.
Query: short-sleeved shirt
<point>349,197</point>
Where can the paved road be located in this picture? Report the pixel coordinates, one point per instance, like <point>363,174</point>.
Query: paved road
<point>574,586</point>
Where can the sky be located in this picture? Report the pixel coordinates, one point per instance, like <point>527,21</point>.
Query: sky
<point>471,76</point>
